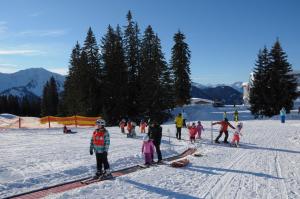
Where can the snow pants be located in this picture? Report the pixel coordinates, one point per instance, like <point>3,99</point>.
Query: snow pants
<point>101,158</point>
<point>148,158</point>
<point>282,119</point>
<point>235,138</point>
<point>178,133</point>
<point>220,134</point>
<point>157,148</point>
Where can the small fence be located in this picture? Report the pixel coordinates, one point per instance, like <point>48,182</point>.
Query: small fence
<point>46,122</point>
<point>72,120</point>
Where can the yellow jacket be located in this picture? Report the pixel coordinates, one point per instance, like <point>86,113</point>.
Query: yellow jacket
<point>179,121</point>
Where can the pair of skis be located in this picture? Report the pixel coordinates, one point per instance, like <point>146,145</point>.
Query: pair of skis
<point>97,179</point>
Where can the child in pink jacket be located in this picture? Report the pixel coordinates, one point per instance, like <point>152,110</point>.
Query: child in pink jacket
<point>199,129</point>
<point>193,132</point>
<point>148,150</point>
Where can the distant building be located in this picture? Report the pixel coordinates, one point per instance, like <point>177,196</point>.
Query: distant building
<point>247,86</point>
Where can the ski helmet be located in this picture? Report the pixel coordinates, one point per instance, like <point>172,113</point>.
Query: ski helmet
<point>100,122</point>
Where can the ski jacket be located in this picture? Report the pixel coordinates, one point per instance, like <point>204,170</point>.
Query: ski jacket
<point>100,141</point>
<point>122,124</point>
<point>143,125</point>
<point>155,133</point>
<point>224,125</point>
<point>193,131</point>
<point>282,112</point>
<point>179,121</point>
<point>148,147</point>
<point>129,126</point>
<point>199,128</point>
<point>237,131</point>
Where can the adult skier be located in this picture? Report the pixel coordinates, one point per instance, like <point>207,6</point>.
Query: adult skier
<point>224,129</point>
<point>155,133</point>
<point>282,115</point>
<point>99,144</point>
<point>179,124</point>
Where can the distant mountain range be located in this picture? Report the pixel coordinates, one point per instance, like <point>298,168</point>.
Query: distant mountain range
<point>228,94</point>
<point>30,82</point>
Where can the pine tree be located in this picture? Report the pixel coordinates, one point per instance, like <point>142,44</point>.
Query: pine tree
<point>71,93</point>
<point>49,103</point>
<point>93,74</point>
<point>180,62</point>
<point>284,84</point>
<point>132,59</point>
<point>115,76</point>
<point>260,87</point>
<point>154,76</point>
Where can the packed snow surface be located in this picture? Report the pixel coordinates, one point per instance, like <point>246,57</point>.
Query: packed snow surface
<point>267,164</point>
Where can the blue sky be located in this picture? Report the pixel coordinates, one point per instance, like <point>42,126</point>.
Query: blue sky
<point>224,36</point>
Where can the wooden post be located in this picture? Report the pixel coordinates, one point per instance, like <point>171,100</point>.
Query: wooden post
<point>211,133</point>
<point>19,122</point>
<point>49,121</point>
<point>75,121</point>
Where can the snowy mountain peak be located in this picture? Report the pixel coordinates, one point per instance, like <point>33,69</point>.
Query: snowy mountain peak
<point>33,79</point>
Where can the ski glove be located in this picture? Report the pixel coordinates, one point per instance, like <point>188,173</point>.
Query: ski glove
<point>91,151</point>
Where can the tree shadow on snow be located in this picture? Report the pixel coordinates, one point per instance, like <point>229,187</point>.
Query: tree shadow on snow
<point>213,170</point>
<point>160,191</point>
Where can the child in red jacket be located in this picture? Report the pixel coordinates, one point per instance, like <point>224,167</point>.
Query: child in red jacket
<point>199,129</point>
<point>193,131</point>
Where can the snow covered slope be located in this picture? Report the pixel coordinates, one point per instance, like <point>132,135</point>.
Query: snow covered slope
<point>267,165</point>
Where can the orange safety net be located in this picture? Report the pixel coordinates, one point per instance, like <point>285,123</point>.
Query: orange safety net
<point>72,120</point>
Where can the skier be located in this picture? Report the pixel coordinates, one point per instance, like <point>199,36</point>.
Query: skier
<point>184,116</point>
<point>236,136</point>
<point>199,129</point>
<point>99,144</point>
<point>143,126</point>
<point>236,116</point>
<point>179,123</point>
<point>282,115</point>
<point>192,131</point>
<point>155,133</point>
<point>66,130</point>
<point>122,125</point>
<point>148,150</point>
<point>224,126</point>
<point>224,115</point>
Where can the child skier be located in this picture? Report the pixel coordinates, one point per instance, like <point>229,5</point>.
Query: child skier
<point>99,144</point>
<point>199,129</point>
<point>192,131</point>
<point>143,126</point>
<point>224,126</point>
<point>148,150</point>
<point>122,125</point>
<point>236,137</point>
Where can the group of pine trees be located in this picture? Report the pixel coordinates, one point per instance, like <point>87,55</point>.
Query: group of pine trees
<point>126,75</point>
<point>274,86</point>
<point>23,106</point>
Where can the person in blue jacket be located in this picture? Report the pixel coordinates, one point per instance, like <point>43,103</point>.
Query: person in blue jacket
<point>282,115</point>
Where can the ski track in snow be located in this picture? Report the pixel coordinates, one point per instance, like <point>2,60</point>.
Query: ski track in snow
<point>267,164</point>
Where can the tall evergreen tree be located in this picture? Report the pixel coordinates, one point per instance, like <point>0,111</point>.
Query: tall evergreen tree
<point>180,62</point>
<point>132,59</point>
<point>71,93</point>
<point>154,76</point>
<point>284,84</point>
<point>115,76</point>
<point>93,74</point>
<point>49,103</point>
<point>260,88</point>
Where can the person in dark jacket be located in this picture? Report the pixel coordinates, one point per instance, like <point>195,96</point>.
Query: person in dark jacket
<point>155,133</point>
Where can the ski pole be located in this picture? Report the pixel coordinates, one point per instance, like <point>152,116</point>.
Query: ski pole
<point>211,133</point>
